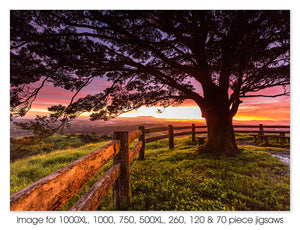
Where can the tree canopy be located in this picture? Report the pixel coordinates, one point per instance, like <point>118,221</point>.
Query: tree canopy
<point>153,57</point>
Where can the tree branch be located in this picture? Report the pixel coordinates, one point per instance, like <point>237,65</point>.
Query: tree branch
<point>262,95</point>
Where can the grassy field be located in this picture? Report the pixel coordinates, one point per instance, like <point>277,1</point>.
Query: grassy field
<point>29,146</point>
<point>180,179</point>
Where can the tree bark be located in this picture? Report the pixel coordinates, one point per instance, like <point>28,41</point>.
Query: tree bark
<point>221,137</point>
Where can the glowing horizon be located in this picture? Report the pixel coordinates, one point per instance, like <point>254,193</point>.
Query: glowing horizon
<point>194,113</point>
<point>251,109</point>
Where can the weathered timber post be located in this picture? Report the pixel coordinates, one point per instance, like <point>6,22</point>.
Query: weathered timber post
<point>266,140</point>
<point>193,133</point>
<point>261,133</point>
<point>171,137</point>
<point>121,187</point>
<point>282,138</point>
<point>142,138</point>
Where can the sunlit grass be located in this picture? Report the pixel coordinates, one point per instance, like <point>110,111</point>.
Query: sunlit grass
<point>24,172</point>
<point>29,146</point>
<point>182,178</point>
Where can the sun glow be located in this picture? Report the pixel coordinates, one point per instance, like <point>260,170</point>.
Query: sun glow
<point>250,118</point>
<point>272,110</point>
<point>182,112</point>
<point>178,113</point>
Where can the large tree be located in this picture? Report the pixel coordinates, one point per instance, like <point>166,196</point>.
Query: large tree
<point>150,58</point>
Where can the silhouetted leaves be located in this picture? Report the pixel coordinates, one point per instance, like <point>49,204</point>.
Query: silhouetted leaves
<point>148,57</point>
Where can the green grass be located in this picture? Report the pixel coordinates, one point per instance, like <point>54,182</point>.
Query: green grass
<point>28,146</point>
<point>182,178</point>
<point>24,172</point>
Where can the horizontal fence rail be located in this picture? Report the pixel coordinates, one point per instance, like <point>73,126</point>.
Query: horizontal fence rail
<point>91,200</point>
<point>157,129</point>
<point>151,139</point>
<point>260,133</point>
<point>54,190</point>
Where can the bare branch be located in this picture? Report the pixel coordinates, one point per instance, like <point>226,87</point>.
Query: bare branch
<point>262,95</point>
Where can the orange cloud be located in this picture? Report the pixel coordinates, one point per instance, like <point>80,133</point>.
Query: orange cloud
<point>262,108</point>
<point>251,108</point>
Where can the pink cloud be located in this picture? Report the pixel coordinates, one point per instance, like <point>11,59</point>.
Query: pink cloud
<point>272,108</point>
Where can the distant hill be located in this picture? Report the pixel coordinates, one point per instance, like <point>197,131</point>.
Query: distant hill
<point>84,125</point>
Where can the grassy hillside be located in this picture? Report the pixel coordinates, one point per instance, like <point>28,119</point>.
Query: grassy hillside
<point>29,146</point>
<point>180,179</point>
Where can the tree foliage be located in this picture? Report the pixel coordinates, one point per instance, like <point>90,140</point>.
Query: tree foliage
<point>148,57</point>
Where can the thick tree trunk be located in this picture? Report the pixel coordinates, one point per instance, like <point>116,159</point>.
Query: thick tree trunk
<point>221,137</point>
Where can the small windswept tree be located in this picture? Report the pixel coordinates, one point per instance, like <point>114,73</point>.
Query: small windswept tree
<point>151,58</point>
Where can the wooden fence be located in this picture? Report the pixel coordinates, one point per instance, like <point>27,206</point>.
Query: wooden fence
<point>54,190</point>
<point>259,132</point>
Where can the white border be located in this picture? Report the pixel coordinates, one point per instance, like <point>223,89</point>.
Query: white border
<point>8,218</point>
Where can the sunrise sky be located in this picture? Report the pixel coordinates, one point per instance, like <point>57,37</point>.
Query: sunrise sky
<point>275,109</point>
<point>257,108</point>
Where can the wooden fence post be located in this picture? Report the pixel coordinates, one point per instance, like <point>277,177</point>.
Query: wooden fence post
<point>171,137</point>
<point>193,133</point>
<point>261,133</point>
<point>142,138</point>
<point>282,139</point>
<point>121,187</point>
